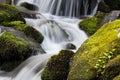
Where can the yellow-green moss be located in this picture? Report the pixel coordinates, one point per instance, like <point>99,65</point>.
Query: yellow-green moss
<point>117,77</point>
<point>12,49</point>
<point>9,13</point>
<point>91,25</point>
<point>112,68</point>
<point>28,30</point>
<point>104,41</point>
<point>58,66</point>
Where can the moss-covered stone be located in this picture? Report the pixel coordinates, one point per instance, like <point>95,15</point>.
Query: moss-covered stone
<point>28,30</point>
<point>117,78</point>
<point>12,50</point>
<point>112,68</point>
<point>90,60</point>
<point>91,25</point>
<point>58,66</point>
<point>9,13</point>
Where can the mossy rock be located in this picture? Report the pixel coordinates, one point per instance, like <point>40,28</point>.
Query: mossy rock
<point>91,25</point>
<point>28,30</point>
<point>9,13</point>
<point>91,58</point>
<point>13,50</point>
<point>58,66</point>
<point>117,78</point>
<point>112,68</point>
<point>113,4</point>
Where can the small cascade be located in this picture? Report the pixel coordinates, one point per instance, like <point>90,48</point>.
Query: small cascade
<point>58,33</point>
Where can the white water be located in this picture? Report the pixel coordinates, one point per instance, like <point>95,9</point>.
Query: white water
<point>57,31</point>
<point>66,8</point>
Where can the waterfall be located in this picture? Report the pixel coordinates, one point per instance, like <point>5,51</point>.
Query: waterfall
<point>58,28</point>
<point>66,8</point>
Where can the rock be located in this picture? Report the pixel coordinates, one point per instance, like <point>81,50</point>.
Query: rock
<point>94,56</point>
<point>57,67</point>
<point>29,6</point>
<point>13,50</point>
<point>117,77</point>
<point>18,41</point>
<point>9,13</point>
<point>91,25</point>
<point>115,14</point>
<point>70,46</point>
<point>28,30</point>
<point>112,69</point>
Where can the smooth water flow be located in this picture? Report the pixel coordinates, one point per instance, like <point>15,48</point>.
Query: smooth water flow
<point>66,8</point>
<point>59,30</point>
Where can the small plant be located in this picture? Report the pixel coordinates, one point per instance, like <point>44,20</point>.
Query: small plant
<point>100,65</point>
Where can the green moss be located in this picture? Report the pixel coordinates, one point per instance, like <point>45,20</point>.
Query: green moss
<point>28,30</point>
<point>13,49</point>
<point>112,69</point>
<point>117,77</point>
<point>58,66</point>
<point>91,25</point>
<point>104,43</point>
<point>9,13</point>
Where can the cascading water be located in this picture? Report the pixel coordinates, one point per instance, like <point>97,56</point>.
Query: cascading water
<point>66,8</point>
<point>58,32</point>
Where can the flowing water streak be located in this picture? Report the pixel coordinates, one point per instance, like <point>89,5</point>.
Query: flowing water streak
<point>29,69</point>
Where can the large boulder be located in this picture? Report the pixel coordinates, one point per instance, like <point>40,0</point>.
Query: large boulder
<point>13,50</point>
<point>98,55</point>
<point>57,67</point>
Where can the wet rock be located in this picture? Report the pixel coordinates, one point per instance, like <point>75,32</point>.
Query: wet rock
<point>70,46</point>
<point>29,6</point>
